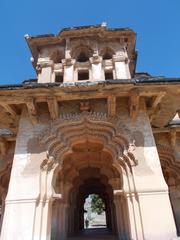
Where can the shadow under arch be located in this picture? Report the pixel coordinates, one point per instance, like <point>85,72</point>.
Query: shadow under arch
<point>57,56</point>
<point>107,53</point>
<point>82,53</point>
<point>81,145</point>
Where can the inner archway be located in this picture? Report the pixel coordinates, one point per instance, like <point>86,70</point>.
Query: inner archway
<point>87,169</point>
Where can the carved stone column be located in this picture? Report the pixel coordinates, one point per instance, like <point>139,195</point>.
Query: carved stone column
<point>63,217</point>
<point>28,203</point>
<point>120,218</point>
<point>121,66</point>
<point>71,220</point>
<point>96,62</point>
<point>68,65</point>
<point>45,69</point>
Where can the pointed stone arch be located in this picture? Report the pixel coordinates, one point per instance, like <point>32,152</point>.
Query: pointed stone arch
<point>59,139</point>
<point>82,52</point>
<point>171,172</point>
<point>71,134</point>
<point>107,53</point>
<point>169,163</point>
<point>57,56</point>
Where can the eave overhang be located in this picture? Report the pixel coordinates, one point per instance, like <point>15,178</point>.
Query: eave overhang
<point>163,91</point>
<point>99,31</point>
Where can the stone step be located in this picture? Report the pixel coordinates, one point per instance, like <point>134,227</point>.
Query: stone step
<point>93,234</point>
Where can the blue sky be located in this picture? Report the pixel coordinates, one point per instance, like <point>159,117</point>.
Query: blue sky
<point>157,23</point>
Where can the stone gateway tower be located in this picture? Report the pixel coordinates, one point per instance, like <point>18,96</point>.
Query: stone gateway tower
<point>89,124</point>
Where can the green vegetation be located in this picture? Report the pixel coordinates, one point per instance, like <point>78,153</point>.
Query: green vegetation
<point>97,204</point>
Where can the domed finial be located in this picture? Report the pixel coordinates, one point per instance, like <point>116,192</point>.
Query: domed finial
<point>104,24</point>
<point>26,36</point>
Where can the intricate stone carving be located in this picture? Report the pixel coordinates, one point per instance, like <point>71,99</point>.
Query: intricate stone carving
<point>84,106</point>
<point>60,136</point>
<point>48,163</point>
<point>169,164</point>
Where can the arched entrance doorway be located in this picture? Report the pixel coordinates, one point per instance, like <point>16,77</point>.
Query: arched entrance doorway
<point>90,158</point>
<point>87,170</point>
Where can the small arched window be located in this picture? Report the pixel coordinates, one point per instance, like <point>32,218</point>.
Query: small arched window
<point>82,57</point>
<point>107,53</point>
<point>57,56</point>
<point>82,53</point>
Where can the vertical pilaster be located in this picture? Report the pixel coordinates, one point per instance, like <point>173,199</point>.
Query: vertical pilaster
<point>62,226</point>
<point>96,65</point>
<point>121,66</point>
<point>45,68</point>
<point>68,65</point>
<point>149,207</point>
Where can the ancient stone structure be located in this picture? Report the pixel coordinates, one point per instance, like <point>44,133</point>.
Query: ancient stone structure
<point>89,124</point>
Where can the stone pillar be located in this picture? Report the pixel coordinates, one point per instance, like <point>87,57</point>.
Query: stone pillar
<point>150,212</point>
<point>96,66</point>
<point>121,228</point>
<point>113,218</point>
<point>62,225</point>
<point>45,69</point>
<point>18,219</point>
<point>55,220</point>
<point>68,69</point>
<point>174,192</point>
<point>121,65</point>
<point>28,202</point>
<point>134,219</point>
<point>71,220</point>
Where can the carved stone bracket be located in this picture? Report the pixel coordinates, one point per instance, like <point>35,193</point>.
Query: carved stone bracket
<point>68,61</point>
<point>53,107</point>
<point>32,110</point>
<point>134,104</point>
<point>111,106</point>
<point>95,59</point>
<point>48,163</point>
<point>173,136</point>
<point>154,107</point>
<point>42,63</point>
<point>119,58</point>
<point>10,110</point>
